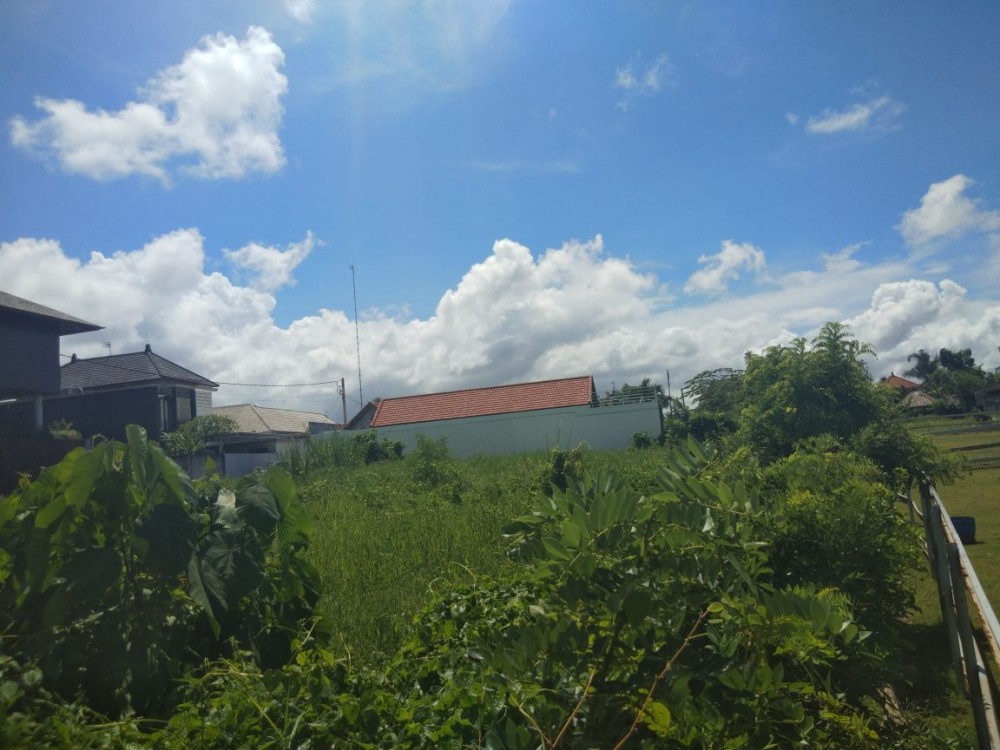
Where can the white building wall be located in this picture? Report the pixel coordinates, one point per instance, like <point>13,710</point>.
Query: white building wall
<point>602,428</point>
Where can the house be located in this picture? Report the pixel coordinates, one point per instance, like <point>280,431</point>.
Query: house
<point>363,419</point>
<point>899,382</point>
<point>29,371</point>
<point>29,340</point>
<point>102,395</point>
<point>264,433</point>
<point>514,418</point>
<point>988,398</point>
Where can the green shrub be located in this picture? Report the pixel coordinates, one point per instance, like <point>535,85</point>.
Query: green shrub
<point>835,524</point>
<point>642,440</point>
<point>117,575</point>
<point>563,468</point>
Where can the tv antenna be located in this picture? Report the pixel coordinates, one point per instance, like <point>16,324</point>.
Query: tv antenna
<point>357,334</point>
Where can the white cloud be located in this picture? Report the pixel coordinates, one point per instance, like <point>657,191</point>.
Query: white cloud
<point>214,115</point>
<point>945,212</point>
<point>879,113</point>
<point>910,315</point>
<point>725,266</point>
<point>645,82</point>
<point>842,260</point>
<point>270,267</point>
<point>514,316</point>
<point>301,10</point>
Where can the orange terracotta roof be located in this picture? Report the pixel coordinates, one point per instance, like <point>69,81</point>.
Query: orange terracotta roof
<point>897,382</point>
<point>479,402</point>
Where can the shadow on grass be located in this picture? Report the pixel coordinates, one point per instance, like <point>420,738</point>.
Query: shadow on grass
<point>932,689</point>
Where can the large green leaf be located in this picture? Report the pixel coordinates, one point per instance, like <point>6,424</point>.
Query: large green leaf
<point>259,508</point>
<point>205,593</point>
<point>295,527</point>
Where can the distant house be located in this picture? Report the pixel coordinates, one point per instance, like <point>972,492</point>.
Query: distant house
<point>264,433</point>
<point>988,399</point>
<point>363,419</point>
<point>29,352</point>
<point>102,395</point>
<point>513,418</point>
<point>899,382</point>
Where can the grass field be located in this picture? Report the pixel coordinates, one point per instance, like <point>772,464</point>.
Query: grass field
<point>386,538</point>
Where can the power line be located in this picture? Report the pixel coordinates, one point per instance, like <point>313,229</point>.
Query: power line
<point>279,385</point>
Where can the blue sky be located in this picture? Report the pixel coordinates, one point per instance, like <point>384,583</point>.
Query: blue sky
<point>526,189</point>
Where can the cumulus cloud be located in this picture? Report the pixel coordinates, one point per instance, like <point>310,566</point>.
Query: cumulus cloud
<point>635,81</point>
<point>909,315</point>
<point>946,212</point>
<point>733,259</point>
<point>879,113</point>
<point>214,115</point>
<point>514,316</point>
<point>270,267</point>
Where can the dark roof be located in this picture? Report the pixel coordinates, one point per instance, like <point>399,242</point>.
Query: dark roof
<point>479,402</point>
<point>126,369</point>
<point>67,323</point>
<point>363,419</point>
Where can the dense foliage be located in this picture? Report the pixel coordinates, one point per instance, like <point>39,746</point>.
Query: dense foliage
<point>191,437</point>
<point>118,575</point>
<point>690,615</point>
<point>792,393</point>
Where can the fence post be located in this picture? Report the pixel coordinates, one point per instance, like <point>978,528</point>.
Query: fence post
<point>972,669</point>
<point>946,584</point>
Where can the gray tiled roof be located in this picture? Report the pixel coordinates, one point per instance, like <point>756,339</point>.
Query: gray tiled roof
<point>67,323</point>
<point>266,419</point>
<point>127,369</point>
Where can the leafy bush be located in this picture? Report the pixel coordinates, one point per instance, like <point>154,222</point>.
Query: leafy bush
<point>62,429</point>
<point>642,440</point>
<point>563,468</point>
<point>433,469</point>
<point>189,439</point>
<point>835,524</point>
<point>117,575</point>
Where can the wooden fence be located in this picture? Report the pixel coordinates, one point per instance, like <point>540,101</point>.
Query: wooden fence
<point>958,587</point>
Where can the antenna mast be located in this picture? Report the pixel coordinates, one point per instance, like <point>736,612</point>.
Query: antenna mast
<point>357,334</point>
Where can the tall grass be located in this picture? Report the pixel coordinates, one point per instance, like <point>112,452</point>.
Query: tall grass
<point>391,534</point>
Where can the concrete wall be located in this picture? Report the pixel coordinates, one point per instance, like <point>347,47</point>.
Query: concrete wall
<point>606,427</point>
<point>238,464</point>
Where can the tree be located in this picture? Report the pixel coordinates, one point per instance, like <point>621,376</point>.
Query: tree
<point>960,361</point>
<point>800,390</point>
<point>715,390</point>
<point>925,365</point>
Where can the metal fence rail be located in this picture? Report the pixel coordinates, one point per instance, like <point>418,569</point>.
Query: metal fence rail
<point>958,585</point>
